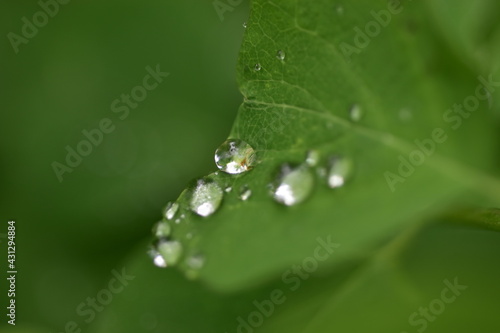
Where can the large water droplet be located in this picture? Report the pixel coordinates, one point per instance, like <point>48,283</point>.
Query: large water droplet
<point>170,210</point>
<point>355,113</point>
<point>161,229</point>
<point>257,67</point>
<point>312,158</point>
<point>234,156</point>
<point>280,55</point>
<point>340,168</point>
<point>206,198</point>
<point>245,193</point>
<point>294,185</point>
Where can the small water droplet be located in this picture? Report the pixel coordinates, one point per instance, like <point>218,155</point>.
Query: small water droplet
<point>194,264</point>
<point>206,198</point>
<point>257,67</point>
<point>244,25</point>
<point>312,158</point>
<point>158,260</point>
<point>166,252</point>
<point>228,189</point>
<point>280,55</point>
<point>355,112</point>
<point>234,156</point>
<point>340,168</point>
<point>170,210</point>
<point>161,229</point>
<point>293,185</point>
<point>245,193</point>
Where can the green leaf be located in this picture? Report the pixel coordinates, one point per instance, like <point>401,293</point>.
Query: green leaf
<point>378,293</point>
<point>405,81</point>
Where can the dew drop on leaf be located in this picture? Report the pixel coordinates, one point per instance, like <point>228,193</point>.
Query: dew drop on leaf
<point>206,198</point>
<point>293,185</point>
<point>280,55</point>
<point>170,210</point>
<point>245,193</point>
<point>161,229</point>
<point>339,170</point>
<point>312,158</point>
<point>355,113</point>
<point>194,265</point>
<point>234,156</point>
<point>166,252</point>
<point>257,67</point>
<point>244,25</point>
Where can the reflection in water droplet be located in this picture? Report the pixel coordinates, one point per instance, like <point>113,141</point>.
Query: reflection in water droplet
<point>312,158</point>
<point>257,67</point>
<point>293,185</point>
<point>206,198</point>
<point>340,168</point>
<point>228,189</point>
<point>161,229</point>
<point>280,55</point>
<point>234,156</point>
<point>245,193</point>
<point>355,113</point>
<point>170,210</point>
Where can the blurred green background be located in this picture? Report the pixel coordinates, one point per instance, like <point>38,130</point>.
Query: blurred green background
<point>71,234</point>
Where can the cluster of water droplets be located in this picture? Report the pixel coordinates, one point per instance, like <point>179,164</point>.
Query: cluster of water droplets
<point>292,185</point>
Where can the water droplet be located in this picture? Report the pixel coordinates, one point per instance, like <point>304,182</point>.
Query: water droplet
<point>355,113</point>
<point>166,252</point>
<point>206,198</point>
<point>234,156</point>
<point>244,25</point>
<point>158,260</point>
<point>257,67</point>
<point>161,229</point>
<point>339,9</point>
<point>245,192</point>
<point>194,265</point>
<point>340,168</point>
<point>280,55</point>
<point>312,158</point>
<point>293,185</point>
<point>228,189</point>
<point>170,210</point>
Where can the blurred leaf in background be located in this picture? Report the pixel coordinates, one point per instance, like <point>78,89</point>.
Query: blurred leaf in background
<point>71,234</point>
